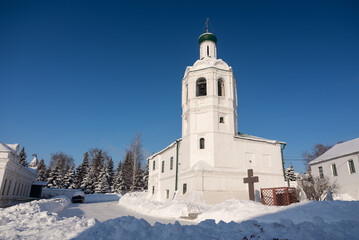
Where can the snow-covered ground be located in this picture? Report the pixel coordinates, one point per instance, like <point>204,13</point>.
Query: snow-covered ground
<point>106,217</point>
<point>39,220</point>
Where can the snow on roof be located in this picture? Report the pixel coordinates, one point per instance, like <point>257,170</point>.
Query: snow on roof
<point>339,150</point>
<point>14,147</point>
<point>163,150</point>
<point>7,147</point>
<point>251,137</point>
<point>34,163</point>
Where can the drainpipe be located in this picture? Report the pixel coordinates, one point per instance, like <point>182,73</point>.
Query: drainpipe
<point>282,146</point>
<point>176,185</point>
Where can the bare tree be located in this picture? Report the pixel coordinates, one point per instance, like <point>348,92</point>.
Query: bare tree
<point>62,161</point>
<point>316,188</point>
<point>136,149</point>
<point>317,150</point>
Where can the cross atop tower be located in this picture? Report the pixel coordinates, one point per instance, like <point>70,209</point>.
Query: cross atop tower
<point>206,24</point>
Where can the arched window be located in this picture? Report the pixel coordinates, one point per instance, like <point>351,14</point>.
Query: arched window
<point>201,88</point>
<point>220,87</point>
<point>221,120</point>
<point>207,50</point>
<point>201,143</point>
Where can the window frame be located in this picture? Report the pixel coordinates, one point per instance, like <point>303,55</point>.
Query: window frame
<point>202,143</point>
<point>321,173</point>
<point>334,170</point>
<point>184,188</point>
<point>221,119</point>
<point>200,90</point>
<point>351,166</point>
<point>220,87</point>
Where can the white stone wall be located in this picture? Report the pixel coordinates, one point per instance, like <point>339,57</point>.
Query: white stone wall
<point>15,180</point>
<point>207,49</point>
<point>348,182</point>
<point>163,180</point>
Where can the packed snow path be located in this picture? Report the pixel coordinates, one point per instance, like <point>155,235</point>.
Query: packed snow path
<point>103,211</point>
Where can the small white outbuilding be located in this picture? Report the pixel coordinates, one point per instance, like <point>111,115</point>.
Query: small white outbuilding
<point>15,179</point>
<point>211,159</point>
<point>340,164</point>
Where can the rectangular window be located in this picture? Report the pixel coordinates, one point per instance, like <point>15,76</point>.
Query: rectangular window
<point>167,194</point>
<point>18,189</point>
<point>163,166</point>
<point>321,174</point>
<point>171,163</point>
<point>184,188</point>
<point>153,190</point>
<point>351,166</point>
<point>334,170</point>
<point>8,189</point>
<point>3,190</point>
<point>13,192</point>
<point>154,165</point>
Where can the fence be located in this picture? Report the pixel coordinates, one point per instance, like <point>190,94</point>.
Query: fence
<point>281,196</point>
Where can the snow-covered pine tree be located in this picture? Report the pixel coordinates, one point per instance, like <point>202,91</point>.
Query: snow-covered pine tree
<point>116,181</point>
<point>102,185</point>
<point>81,172</point>
<point>110,173</point>
<point>86,184</point>
<point>138,178</point>
<point>72,175</point>
<point>22,157</point>
<point>69,178</point>
<point>145,177</point>
<point>127,171</point>
<point>41,171</point>
<point>289,173</point>
<point>55,179</point>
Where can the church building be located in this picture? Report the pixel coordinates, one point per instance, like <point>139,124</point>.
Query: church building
<point>211,159</point>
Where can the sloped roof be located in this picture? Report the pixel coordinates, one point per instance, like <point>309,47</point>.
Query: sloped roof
<point>5,148</point>
<point>339,150</point>
<point>163,150</point>
<point>251,137</point>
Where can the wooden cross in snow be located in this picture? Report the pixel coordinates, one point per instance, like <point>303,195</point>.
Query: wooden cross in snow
<point>250,180</point>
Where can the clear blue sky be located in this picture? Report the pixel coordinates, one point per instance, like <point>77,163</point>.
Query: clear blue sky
<point>82,74</point>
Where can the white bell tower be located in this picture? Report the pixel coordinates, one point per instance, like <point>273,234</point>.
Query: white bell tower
<point>209,104</point>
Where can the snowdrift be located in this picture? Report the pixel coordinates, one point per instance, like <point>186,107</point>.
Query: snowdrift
<point>132,228</point>
<point>137,202</point>
<point>39,220</point>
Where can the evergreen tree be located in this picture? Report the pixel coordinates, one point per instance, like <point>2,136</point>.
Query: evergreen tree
<point>41,171</point>
<point>22,157</point>
<point>127,171</point>
<point>110,173</point>
<point>289,173</point>
<point>138,178</point>
<point>55,179</point>
<point>102,185</point>
<point>145,177</point>
<point>81,172</point>
<point>118,179</point>
<point>69,178</point>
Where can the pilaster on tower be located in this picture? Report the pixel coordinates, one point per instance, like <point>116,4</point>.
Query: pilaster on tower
<point>207,46</point>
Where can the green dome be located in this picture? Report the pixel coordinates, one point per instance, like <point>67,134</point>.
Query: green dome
<point>207,36</point>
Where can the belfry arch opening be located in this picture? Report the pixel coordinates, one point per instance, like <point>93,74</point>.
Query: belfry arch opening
<point>201,87</point>
<point>220,87</point>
